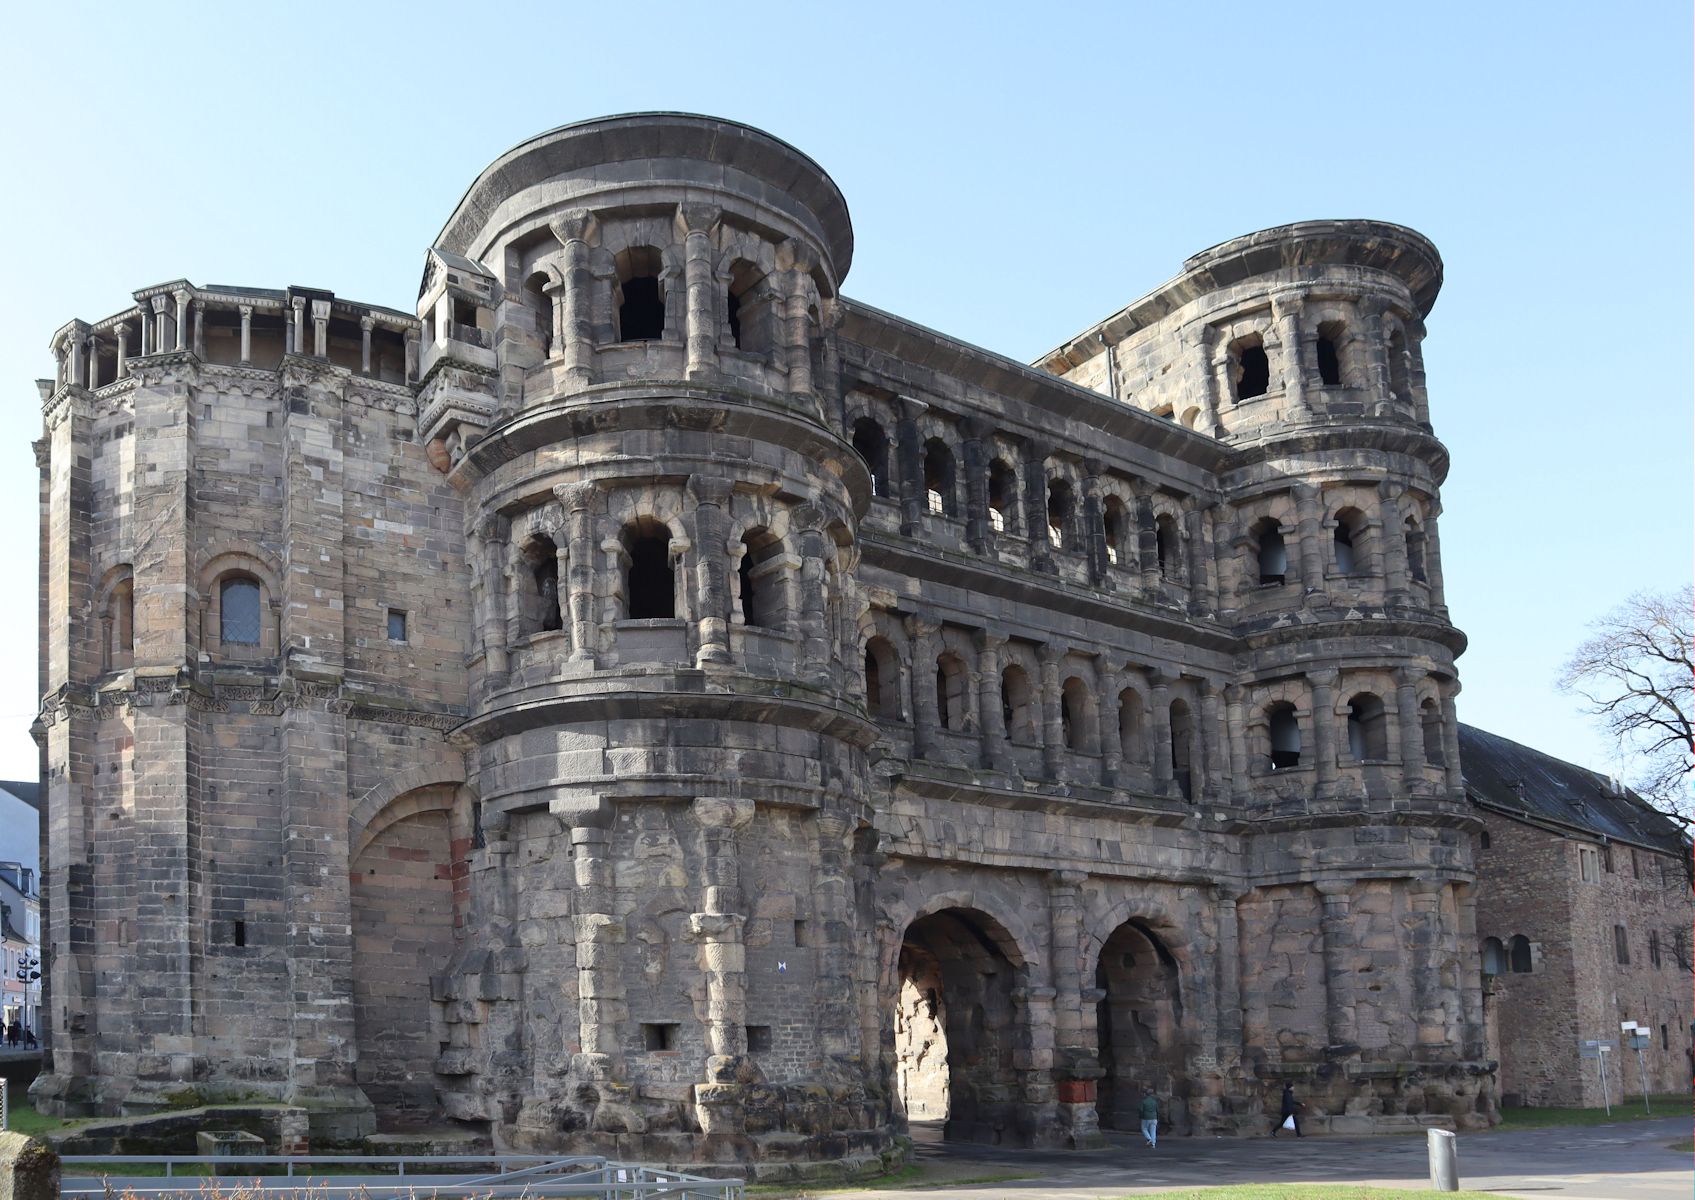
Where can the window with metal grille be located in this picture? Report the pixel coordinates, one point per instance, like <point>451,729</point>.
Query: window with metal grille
<point>238,612</point>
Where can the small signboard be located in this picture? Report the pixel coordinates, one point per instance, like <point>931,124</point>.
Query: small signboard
<point>1640,1040</point>
<point>1595,1047</point>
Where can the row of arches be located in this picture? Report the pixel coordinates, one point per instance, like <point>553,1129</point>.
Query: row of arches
<point>1514,955</point>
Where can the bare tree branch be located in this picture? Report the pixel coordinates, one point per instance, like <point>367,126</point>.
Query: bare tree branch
<point>1636,673</point>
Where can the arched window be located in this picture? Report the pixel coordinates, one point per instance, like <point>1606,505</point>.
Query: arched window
<point>1017,707</point>
<point>238,611</point>
<point>1430,717</point>
<point>1415,550</point>
<point>1003,497</point>
<point>1494,957</point>
<point>1168,545</point>
<point>120,617</point>
<point>1131,736</point>
<point>1079,726</point>
<point>1518,954</point>
<point>1115,527</point>
<point>1182,748</point>
<point>1059,512</point>
<point>1368,729</point>
<point>641,300</point>
<point>750,309</point>
<point>1330,335</point>
<point>938,477</point>
<point>763,602</point>
<point>882,679</point>
<point>1348,538</point>
<point>952,686</point>
<point>1272,554</point>
<point>540,306</point>
<point>650,589</point>
<point>1285,736</point>
<point>1253,369</point>
<point>873,446</point>
<point>539,605</point>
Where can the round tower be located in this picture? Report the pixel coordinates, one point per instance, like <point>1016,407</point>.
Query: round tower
<point>621,346</point>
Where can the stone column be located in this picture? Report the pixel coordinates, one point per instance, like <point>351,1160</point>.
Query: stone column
<point>366,324</point>
<point>123,351</point>
<point>599,934</point>
<point>74,376</point>
<point>1451,741</point>
<point>711,495</point>
<point>146,346</point>
<point>1396,571</point>
<point>1053,727</point>
<point>798,260</point>
<point>1339,968</point>
<point>925,631</point>
<point>413,354</point>
<point>246,311</point>
<point>910,452</point>
<point>1213,740</point>
<point>1202,598</point>
<point>320,328</point>
<point>561,573</point>
<point>1094,524</point>
<point>181,296</point>
<point>694,226</point>
<point>1309,515</point>
<point>832,904</point>
<point>1147,538</point>
<point>1237,732</point>
<point>717,929</point>
<point>1229,976</point>
<point>1433,563</point>
<point>577,501</point>
<point>813,615</point>
<point>297,328</point>
<point>1210,396</point>
<point>1423,926</point>
<point>1076,1064</point>
<point>1378,395</point>
<point>488,572</point>
<point>975,461</point>
<point>199,330</point>
<point>161,302</point>
<point>1221,378</point>
<point>1410,727</point>
<point>1112,748</point>
<point>1325,747</point>
<point>1036,506</point>
<point>1286,311</point>
<point>996,754</point>
<point>1470,981</point>
<point>1160,699</point>
<point>574,230</point>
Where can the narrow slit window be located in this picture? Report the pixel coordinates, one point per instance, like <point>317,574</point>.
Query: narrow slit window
<point>396,625</point>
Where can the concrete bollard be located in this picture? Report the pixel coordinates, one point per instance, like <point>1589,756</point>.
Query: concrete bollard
<point>1444,1161</point>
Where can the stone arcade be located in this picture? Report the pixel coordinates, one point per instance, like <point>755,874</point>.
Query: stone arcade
<point>649,702</point>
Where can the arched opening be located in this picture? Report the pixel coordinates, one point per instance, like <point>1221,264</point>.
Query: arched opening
<point>1183,748</point>
<point>1115,528</point>
<point>1138,1027</point>
<point>641,301</point>
<point>957,1037</point>
<point>1400,386</point>
<point>1494,956</point>
<point>1285,735</point>
<point>1003,497</point>
<point>1329,352</point>
<point>1518,954</point>
<point>402,880</point>
<point>1415,550</point>
<point>1348,538</point>
<point>238,610</point>
<point>538,603</point>
<point>953,685</point>
<point>873,446</point>
<point>882,679</point>
<point>760,577</point>
<point>750,308</point>
<point>1018,708</point>
<point>1059,512</point>
<point>1271,553</point>
<point>1132,726</point>
<point>650,587</point>
<point>120,616</point>
<point>1167,545</point>
<point>1079,726</point>
<point>540,307</point>
<point>1368,729</point>
<point>1253,369</point>
<point>1430,718</point>
<point>938,477</point>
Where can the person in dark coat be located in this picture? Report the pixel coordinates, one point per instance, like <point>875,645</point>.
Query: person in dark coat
<point>1290,1109</point>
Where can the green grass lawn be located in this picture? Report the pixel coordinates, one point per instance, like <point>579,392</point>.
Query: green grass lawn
<point>21,1117</point>
<point>1309,1191</point>
<point>1673,1104</point>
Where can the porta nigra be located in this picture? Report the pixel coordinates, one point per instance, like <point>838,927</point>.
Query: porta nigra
<point>647,702</point>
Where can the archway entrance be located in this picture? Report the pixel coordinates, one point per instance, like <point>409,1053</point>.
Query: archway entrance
<point>1138,1024</point>
<point>956,1030</point>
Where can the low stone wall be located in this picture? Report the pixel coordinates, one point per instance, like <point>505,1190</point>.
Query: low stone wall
<point>175,1133</point>
<point>29,1169</point>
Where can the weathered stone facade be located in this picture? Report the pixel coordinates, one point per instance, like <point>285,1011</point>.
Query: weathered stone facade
<point>591,711</point>
<point>1585,911</point>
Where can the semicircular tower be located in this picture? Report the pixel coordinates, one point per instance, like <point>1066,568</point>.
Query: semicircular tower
<point>620,359</point>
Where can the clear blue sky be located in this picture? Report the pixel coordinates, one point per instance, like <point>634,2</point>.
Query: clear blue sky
<point>1015,172</point>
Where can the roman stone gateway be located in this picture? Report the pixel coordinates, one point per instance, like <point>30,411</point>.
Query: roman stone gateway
<point>651,703</point>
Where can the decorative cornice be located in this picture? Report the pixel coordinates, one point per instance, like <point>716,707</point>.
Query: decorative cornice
<point>153,691</point>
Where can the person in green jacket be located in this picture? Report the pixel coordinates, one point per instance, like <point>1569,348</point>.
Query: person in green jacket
<point>1150,1118</point>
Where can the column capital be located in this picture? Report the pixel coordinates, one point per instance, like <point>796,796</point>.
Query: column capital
<point>182,295</point>
<point>1287,304</point>
<point>923,624</point>
<point>576,225</point>
<point>911,407</point>
<point>990,639</point>
<point>575,496</point>
<point>246,311</point>
<point>796,255</point>
<point>709,489</point>
<point>160,303</point>
<point>1051,652</point>
<point>1329,677</point>
<point>1334,889</point>
<point>1067,880</point>
<point>722,812</point>
<point>367,322</point>
<point>1408,676</point>
<point>696,217</point>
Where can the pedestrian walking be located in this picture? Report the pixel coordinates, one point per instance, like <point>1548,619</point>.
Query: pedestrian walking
<point>1288,1117</point>
<point>1150,1118</point>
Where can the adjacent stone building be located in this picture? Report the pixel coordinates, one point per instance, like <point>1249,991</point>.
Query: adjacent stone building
<point>652,703</point>
<point>1585,911</point>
